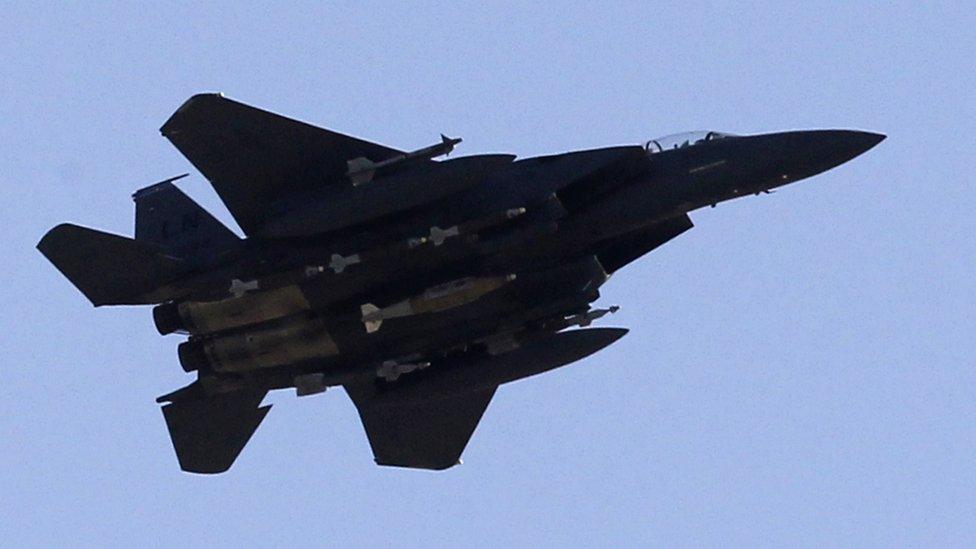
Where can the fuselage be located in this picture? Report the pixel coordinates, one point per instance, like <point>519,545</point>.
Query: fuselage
<point>544,221</point>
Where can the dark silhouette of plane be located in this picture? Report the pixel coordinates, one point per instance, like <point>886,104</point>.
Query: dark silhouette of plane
<point>419,286</point>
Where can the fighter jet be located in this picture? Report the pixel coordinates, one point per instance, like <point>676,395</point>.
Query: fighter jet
<point>418,285</point>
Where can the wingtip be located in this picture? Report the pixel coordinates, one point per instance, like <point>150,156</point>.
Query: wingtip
<point>614,333</point>
<point>45,242</point>
<point>169,127</point>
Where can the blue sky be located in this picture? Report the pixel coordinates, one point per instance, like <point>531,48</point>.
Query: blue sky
<point>800,367</point>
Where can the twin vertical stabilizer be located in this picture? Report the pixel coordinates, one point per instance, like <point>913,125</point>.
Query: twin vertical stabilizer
<point>167,217</point>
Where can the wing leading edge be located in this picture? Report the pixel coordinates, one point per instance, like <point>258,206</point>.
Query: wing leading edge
<point>254,157</point>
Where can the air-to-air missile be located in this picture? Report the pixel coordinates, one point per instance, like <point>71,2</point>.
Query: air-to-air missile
<point>361,169</point>
<point>418,285</point>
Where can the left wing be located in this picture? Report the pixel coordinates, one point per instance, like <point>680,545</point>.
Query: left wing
<point>419,433</point>
<point>254,157</point>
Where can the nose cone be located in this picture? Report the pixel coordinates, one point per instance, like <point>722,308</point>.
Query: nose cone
<point>796,155</point>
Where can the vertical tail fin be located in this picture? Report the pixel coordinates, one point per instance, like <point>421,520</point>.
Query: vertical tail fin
<point>165,216</point>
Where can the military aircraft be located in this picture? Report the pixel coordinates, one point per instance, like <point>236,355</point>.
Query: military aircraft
<point>418,285</point>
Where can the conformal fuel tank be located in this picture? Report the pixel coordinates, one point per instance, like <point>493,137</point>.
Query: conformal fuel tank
<point>329,208</point>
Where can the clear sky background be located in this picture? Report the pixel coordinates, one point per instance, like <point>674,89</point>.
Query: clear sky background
<point>800,367</point>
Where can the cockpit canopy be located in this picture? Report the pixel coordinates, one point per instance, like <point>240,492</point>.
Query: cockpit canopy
<point>682,140</point>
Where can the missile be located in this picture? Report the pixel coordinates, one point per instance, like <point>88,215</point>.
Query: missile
<point>435,299</point>
<point>582,319</point>
<point>438,236</point>
<point>361,170</point>
<point>391,370</point>
<point>536,354</point>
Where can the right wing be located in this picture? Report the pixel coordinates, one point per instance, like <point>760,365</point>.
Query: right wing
<point>253,157</point>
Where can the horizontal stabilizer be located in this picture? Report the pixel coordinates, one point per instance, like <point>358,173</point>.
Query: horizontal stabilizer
<point>427,434</point>
<point>208,434</point>
<point>109,269</point>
